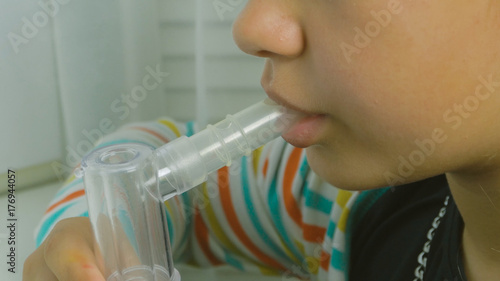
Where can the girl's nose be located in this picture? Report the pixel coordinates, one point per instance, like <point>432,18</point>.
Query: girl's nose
<point>267,28</point>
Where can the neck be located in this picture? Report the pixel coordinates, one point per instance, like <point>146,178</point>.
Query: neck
<point>477,197</point>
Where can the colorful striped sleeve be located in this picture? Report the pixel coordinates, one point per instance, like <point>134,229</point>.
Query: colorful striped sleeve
<point>270,213</point>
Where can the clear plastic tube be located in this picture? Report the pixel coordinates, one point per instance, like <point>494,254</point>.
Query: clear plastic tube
<point>186,162</point>
<point>127,184</point>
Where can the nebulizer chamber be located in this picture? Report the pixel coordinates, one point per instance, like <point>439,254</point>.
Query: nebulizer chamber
<point>126,186</point>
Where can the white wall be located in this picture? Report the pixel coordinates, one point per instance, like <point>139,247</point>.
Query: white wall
<point>30,121</point>
<point>66,85</point>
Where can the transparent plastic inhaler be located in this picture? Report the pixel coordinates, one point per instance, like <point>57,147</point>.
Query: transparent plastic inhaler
<point>126,186</point>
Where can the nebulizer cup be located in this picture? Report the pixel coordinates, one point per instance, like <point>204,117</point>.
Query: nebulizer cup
<point>126,186</point>
<point>127,214</point>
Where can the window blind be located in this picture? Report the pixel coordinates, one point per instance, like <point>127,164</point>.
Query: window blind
<point>232,78</point>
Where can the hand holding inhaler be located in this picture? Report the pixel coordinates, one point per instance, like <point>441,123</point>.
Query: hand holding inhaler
<point>127,184</point>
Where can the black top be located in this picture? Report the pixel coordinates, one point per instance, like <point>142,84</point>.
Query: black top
<point>413,232</point>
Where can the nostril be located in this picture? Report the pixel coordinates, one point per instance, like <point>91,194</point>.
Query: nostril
<point>263,54</point>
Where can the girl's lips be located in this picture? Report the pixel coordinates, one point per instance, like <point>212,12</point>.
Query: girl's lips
<point>306,131</point>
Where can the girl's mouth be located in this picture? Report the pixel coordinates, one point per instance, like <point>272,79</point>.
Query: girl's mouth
<point>305,132</point>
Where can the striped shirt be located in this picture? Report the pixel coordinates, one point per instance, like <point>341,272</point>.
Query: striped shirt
<point>267,213</point>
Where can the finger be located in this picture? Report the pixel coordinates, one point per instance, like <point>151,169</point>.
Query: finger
<point>69,252</point>
<point>35,268</point>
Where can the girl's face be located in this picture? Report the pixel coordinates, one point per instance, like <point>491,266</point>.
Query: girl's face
<point>401,90</point>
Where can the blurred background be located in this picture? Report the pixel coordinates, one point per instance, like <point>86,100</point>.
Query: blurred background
<point>72,71</point>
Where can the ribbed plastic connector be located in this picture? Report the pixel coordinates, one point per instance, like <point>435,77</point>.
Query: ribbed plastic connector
<point>187,161</point>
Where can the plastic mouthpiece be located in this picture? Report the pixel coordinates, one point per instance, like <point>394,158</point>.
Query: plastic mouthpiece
<point>187,161</point>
